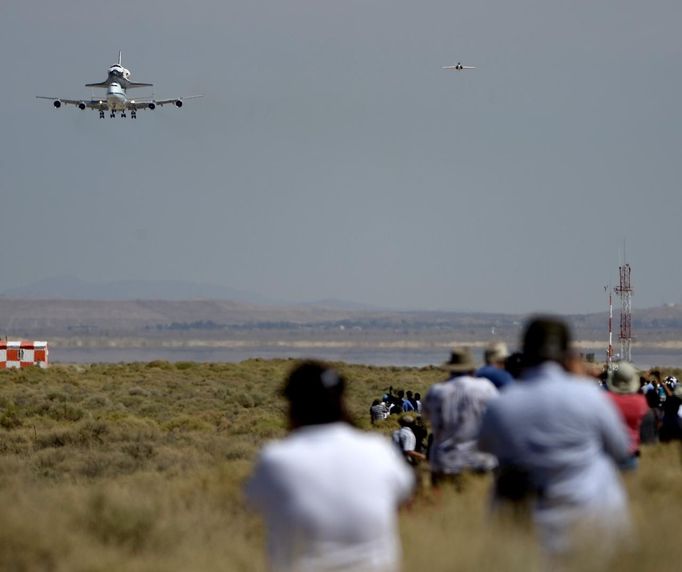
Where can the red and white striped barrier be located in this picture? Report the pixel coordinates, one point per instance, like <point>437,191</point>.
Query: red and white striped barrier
<point>22,354</point>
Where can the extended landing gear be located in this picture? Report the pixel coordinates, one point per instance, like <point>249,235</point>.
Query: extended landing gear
<point>101,114</point>
<point>133,114</point>
<point>123,113</point>
<point>112,114</point>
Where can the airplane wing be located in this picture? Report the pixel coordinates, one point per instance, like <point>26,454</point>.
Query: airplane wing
<point>138,84</point>
<point>154,103</point>
<point>80,103</point>
<point>101,84</point>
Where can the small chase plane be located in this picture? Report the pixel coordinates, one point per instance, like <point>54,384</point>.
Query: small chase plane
<point>459,67</point>
<point>116,99</point>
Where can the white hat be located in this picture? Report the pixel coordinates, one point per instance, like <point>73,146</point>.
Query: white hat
<point>623,379</point>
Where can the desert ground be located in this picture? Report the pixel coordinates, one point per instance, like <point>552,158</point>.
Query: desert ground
<point>140,467</point>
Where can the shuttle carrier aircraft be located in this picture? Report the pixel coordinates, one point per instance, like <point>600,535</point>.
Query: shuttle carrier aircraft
<point>116,84</point>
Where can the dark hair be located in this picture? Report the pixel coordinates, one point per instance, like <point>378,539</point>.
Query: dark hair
<point>315,394</point>
<point>514,364</point>
<point>545,339</point>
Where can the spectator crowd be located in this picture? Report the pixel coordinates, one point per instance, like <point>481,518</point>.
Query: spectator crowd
<point>554,434</point>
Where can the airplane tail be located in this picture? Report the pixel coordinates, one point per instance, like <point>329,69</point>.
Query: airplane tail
<point>119,58</point>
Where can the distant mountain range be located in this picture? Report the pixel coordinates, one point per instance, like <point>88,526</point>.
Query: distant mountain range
<point>71,288</point>
<point>69,307</point>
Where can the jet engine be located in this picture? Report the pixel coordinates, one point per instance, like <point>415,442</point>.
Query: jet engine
<point>178,103</point>
<point>81,105</point>
<point>152,106</point>
<point>57,104</point>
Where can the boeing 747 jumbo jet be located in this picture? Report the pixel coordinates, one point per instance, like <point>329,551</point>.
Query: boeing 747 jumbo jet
<point>116,84</point>
<point>459,67</point>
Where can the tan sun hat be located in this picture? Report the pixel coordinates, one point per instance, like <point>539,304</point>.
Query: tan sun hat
<point>623,379</point>
<point>496,351</point>
<point>461,360</point>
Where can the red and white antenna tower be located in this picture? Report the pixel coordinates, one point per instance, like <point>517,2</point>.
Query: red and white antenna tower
<point>624,290</point>
<point>609,350</point>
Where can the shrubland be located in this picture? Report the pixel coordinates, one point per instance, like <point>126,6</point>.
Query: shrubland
<point>140,467</point>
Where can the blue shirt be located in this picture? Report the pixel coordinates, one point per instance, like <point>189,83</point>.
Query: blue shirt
<point>499,377</point>
<point>566,435</point>
<point>407,406</point>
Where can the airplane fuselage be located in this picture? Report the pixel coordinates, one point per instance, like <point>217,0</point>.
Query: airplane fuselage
<point>116,97</point>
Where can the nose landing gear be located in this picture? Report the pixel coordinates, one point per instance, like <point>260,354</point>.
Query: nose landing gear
<point>133,114</point>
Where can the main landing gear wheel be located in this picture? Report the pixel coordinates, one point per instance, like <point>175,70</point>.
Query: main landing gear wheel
<point>123,113</point>
<point>101,114</point>
<point>133,115</point>
<point>112,114</point>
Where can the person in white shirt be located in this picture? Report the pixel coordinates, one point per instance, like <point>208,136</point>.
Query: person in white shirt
<point>328,492</point>
<point>454,409</point>
<point>406,441</point>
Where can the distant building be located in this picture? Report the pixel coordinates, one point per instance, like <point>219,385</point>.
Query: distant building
<point>22,354</point>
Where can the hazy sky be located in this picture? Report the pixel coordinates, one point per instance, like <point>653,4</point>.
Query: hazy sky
<point>331,157</point>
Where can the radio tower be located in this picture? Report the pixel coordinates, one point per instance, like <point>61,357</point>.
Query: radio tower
<point>624,290</point>
<point>609,350</point>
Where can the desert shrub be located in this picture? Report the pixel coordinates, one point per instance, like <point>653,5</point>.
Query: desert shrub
<point>65,412</point>
<point>122,519</point>
<point>91,432</point>
<point>139,450</point>
<point>99,401</point>
<point>187,423</point>
<point>88,433</point>
<point>239,451</point>
<point>250,398</point>
<point>52,439</point>
<point>47,463</point>
<point>58,396</point>
<point>129,428</point>
<point>184,365</point>
<point>14,443</point>
<point>138,391</point>
<point>159,364</point>
<point>10,417</point>
<point>100,464</point>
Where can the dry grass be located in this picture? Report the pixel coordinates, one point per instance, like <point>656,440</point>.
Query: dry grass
<point>139,467</point>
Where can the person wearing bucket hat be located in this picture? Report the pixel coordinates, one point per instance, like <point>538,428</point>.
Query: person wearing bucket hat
<point>495,356</point>
<point>454,409</point>
<point>328,493</point>
<point>623,385</point>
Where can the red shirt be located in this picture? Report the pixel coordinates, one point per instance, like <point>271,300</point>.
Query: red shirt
<point>632,407</point>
